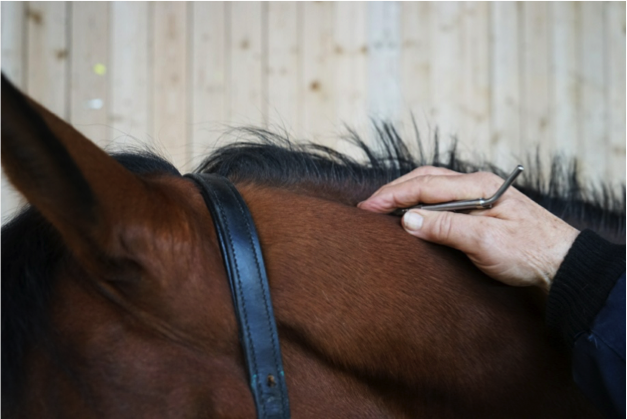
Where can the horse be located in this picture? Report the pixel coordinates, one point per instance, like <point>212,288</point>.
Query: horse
<point>115,301</point>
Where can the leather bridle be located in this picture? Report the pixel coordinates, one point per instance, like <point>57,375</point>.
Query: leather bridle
<point>246,272</point>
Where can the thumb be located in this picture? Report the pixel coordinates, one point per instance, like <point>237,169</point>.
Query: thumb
<point>444,227</point>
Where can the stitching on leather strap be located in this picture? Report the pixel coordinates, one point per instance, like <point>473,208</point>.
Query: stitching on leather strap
<point>243,300</point>
<point>275,344</point>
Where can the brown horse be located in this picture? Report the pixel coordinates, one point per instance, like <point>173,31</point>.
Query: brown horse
<point>115,301</point>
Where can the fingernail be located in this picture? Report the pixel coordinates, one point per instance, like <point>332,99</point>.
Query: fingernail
<point>412,221</point>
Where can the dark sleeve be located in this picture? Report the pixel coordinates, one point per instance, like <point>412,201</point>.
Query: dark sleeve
<point>586,306</point>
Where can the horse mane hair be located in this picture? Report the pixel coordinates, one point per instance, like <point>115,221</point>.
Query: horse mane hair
<point>273,159</point>
<point>32,250</point>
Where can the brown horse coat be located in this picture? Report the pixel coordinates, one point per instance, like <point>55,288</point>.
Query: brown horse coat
<point>372,322</point>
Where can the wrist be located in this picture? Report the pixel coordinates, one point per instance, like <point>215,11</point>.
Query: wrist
<point>558,253</point>
<point>582,284</point>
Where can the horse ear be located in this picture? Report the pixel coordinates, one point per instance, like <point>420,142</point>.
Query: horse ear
<point>73,183</point>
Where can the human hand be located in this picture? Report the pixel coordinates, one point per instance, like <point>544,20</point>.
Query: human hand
<point>516,241</point>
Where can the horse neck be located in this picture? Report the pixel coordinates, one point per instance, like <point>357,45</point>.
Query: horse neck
<point>357,297</point>
<point>341,277</point>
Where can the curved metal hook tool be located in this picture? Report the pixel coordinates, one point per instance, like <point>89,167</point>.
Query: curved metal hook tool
<point>480,203</point>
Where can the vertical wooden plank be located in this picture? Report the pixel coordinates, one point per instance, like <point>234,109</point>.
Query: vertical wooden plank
<point>48,55</point>
<point>349,55</point>
<point>209,75</point>
<point>535,122</point>
<point>130,111</point>
<point>416,71</point>
<point>476,93</point>
<point>615,88</point>
<point>284,71</point>
<point>565,95</point>
<point>247,104</point>
<point>593,140</point>
<point>14,67</point>
<point>506,84</point>
<point>170,81</point>
<point>447,78</point>
<point>384,42</point>
<point>89,95</point>
<point>13,42</point>
<point>318,73</point>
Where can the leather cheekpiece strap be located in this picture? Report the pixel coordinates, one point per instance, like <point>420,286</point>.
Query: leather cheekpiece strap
<point>245,269</point>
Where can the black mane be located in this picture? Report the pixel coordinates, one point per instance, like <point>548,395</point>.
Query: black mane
<point>32,249</point>
<point>273,159</point>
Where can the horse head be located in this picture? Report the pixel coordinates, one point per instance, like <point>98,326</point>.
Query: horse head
<point>116,301</point>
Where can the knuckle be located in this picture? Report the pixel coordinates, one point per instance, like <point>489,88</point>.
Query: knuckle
<point>493,180</point>
<point>424,170</point>
<point>432,170</point>
<point>489,182</point>
<point>421,183</point>
<point>426,179</point>
<point>508,204</point>
<point>443,227</point>
<point>514,207</point>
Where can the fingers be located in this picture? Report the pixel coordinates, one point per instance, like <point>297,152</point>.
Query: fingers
<point>429,189</point>
<point>423,171</point>
<point>420,171</point>
<point>460,231</point>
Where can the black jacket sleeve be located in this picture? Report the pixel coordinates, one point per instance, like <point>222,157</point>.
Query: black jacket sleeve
<point>586,305</point>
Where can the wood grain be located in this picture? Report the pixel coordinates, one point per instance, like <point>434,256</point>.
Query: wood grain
<point>48,55</point>
<point>169,61</point>
<point>505,78</point>
<point>89,78</point>
<point>209,70</point>
<point>131,89</point>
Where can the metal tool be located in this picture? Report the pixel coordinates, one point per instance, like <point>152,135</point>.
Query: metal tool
<point>467,204</point>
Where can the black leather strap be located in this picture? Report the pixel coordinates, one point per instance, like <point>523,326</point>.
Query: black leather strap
<point>251,295</point>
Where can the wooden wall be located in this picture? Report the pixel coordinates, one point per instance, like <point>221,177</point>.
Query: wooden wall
<point>504,77</point>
